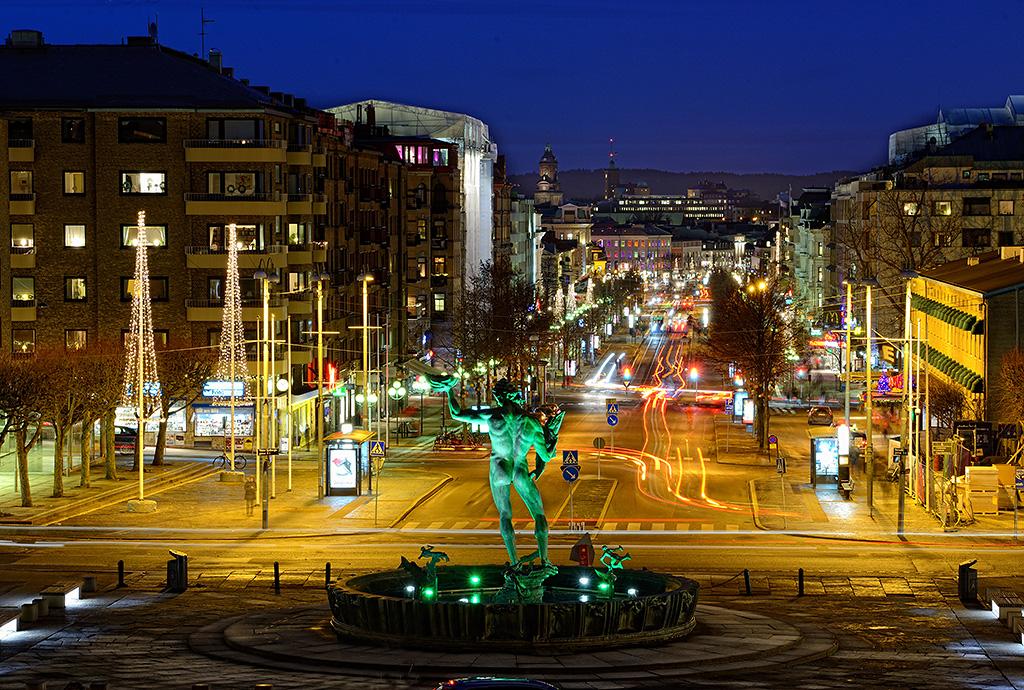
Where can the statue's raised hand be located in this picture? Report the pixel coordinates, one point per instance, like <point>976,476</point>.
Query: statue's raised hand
<point>442,383</point>
<point>555,424</point>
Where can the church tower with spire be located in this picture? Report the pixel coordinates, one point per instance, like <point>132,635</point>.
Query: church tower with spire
<point>548,191</point>
<point>611,173</point>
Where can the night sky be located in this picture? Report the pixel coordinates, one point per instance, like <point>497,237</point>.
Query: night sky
<point>734,86</point>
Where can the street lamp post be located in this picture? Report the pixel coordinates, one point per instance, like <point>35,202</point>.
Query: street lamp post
<point>319,426</point>
<point>263,436</point>
<point>420,385</point>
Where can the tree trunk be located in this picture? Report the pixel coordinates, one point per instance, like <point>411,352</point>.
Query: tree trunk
<point>84,477</point>
<point>26,489</point>
<point>161,442</point>
<point>761,419</point>
<point>109,457</point>
<point>58,460</point>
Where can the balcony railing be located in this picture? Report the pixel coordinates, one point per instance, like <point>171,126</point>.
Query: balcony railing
<point>256,196</point>
<point>299,196</point>
<point>21,143</point>
<point>294,148</point>
<point>23,197</point>
<point>23,250</point>
<point>204,250</point>
<point>235,143</point>
<point>252,303</point>
<point>23,302</point>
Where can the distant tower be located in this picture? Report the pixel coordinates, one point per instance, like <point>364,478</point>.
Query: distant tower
<point>548,192</point>
<point>611,173</point>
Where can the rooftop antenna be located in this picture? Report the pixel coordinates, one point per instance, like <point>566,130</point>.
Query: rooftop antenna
<point>203,21</point>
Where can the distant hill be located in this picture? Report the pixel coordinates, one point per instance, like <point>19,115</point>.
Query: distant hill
<point>589,184</point>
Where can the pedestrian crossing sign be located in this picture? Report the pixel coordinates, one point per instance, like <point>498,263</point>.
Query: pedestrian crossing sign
<point>570,457</point>
<point>613,408</point>
<point>376,449</point>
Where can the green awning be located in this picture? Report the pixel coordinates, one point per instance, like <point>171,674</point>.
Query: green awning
<point>972,381</point>
<point>952,316</point>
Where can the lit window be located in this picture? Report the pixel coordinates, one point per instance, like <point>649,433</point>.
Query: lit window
<point>22,237</point>
<point>158,289</point>
<point>74,182</point>
<point>143,183</point>
<point>74,235</point>
<point>1006,207</point>
<point>21,183</point>
<point>439,301</point>
<point>23,291</point>
<point>74,289</point>
<point>156,235</point>
<point>943,208</point>
<point>23,341</point>
<point>232,183</point>
<point>439,266</point>
<point>245,236</point>
<point>75,339</point>
<point>910,208</point>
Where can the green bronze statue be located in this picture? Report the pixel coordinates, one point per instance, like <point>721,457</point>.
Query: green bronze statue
<point>513,431</point>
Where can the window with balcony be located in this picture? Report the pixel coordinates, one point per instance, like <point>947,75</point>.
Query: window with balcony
<point>74,235</point>
<point>158,289</point>
<point>21,184</point>
<point>1006,207</point>
<point>23,291</point>
<point>156,236</point>
<point>19,132</point>
<point>142,130</point>
<point>942,208</point>
<point>231,129</point>
<point>72,130</point>
<point>23,341</point>
<point>75,339</point>
<point>138,182</point>
<point>298,233</point>
<point>23,238</point>
<point>239,184</point>
<point>247,237</point>
<point>74,182</point>
<point>74,288</point>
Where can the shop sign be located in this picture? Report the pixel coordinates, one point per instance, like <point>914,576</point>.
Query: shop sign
<point>223,389</point>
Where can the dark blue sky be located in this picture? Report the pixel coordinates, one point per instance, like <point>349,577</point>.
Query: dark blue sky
<point>736,86</point>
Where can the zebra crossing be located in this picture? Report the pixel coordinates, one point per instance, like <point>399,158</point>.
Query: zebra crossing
<point>607,526</point>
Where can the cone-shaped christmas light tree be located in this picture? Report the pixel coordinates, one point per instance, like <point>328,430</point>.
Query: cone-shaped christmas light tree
<point>232,364</point>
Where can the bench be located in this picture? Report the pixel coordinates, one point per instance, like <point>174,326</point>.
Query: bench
<point>59,594</point>
<point>846,488</point>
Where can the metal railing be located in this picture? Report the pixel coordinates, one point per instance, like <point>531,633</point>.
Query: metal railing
<point>21,143</point>
<point>31,196</point>
<point>299,197</point>
<point>254,303</point>
<point>16,249</point>
<point>255,196</point>
<point>235,143</point>
<point>299,148</point>
<point>23,302</point>
<point>202,249</point>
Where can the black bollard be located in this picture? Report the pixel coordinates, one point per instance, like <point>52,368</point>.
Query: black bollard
<point>800,582</point>
<point>327,575</point>
<point>120,573</point>
<point>277,577</point>
<point>746,580</point>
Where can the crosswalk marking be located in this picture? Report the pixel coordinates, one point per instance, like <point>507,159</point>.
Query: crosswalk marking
<point>609,526</point>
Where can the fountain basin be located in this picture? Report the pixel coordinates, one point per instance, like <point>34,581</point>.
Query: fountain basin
<point>575,612</point>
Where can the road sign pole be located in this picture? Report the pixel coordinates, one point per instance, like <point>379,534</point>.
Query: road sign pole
<point>572,514</point>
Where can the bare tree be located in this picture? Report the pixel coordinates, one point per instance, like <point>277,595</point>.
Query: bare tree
<point>183,371</point>
<point>750,328</point>
<point>21,380</point>
<point>948,403</point>
<point>62,402</point>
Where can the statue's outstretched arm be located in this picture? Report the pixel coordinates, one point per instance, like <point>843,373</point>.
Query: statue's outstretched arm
<point>545,439</point>
<point>444,383</point>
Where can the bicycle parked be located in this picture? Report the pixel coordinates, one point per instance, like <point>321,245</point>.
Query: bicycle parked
<point>223,462</point>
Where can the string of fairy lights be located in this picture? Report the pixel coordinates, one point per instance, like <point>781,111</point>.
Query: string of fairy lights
<point>140,333</point>
<point>231,366</point>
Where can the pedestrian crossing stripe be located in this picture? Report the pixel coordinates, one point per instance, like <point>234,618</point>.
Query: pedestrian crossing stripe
<point>524,523</point>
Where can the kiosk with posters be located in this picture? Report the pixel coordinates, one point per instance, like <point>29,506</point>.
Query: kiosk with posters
<point>346,462</point>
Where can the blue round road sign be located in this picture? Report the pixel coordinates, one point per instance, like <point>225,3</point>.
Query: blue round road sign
<point>613,419</point>
<point>570,473</point>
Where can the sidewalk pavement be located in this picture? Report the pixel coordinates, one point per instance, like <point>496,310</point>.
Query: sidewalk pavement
<point>790,502</point>
<point>211,503</point>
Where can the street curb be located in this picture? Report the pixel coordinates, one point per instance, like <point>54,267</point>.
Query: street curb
<point>422,499</point>
<point>754,507</point>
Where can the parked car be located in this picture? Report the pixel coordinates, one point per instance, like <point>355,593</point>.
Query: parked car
<point>819,416</point>
<point>124,440</point>
<point>489,683</point>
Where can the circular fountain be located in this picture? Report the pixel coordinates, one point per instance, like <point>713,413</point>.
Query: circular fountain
<point>470,607</point>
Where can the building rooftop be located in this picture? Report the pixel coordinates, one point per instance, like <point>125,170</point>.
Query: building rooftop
<point>989,274</point>
<point>623,230</point>
<point>140,74</point>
